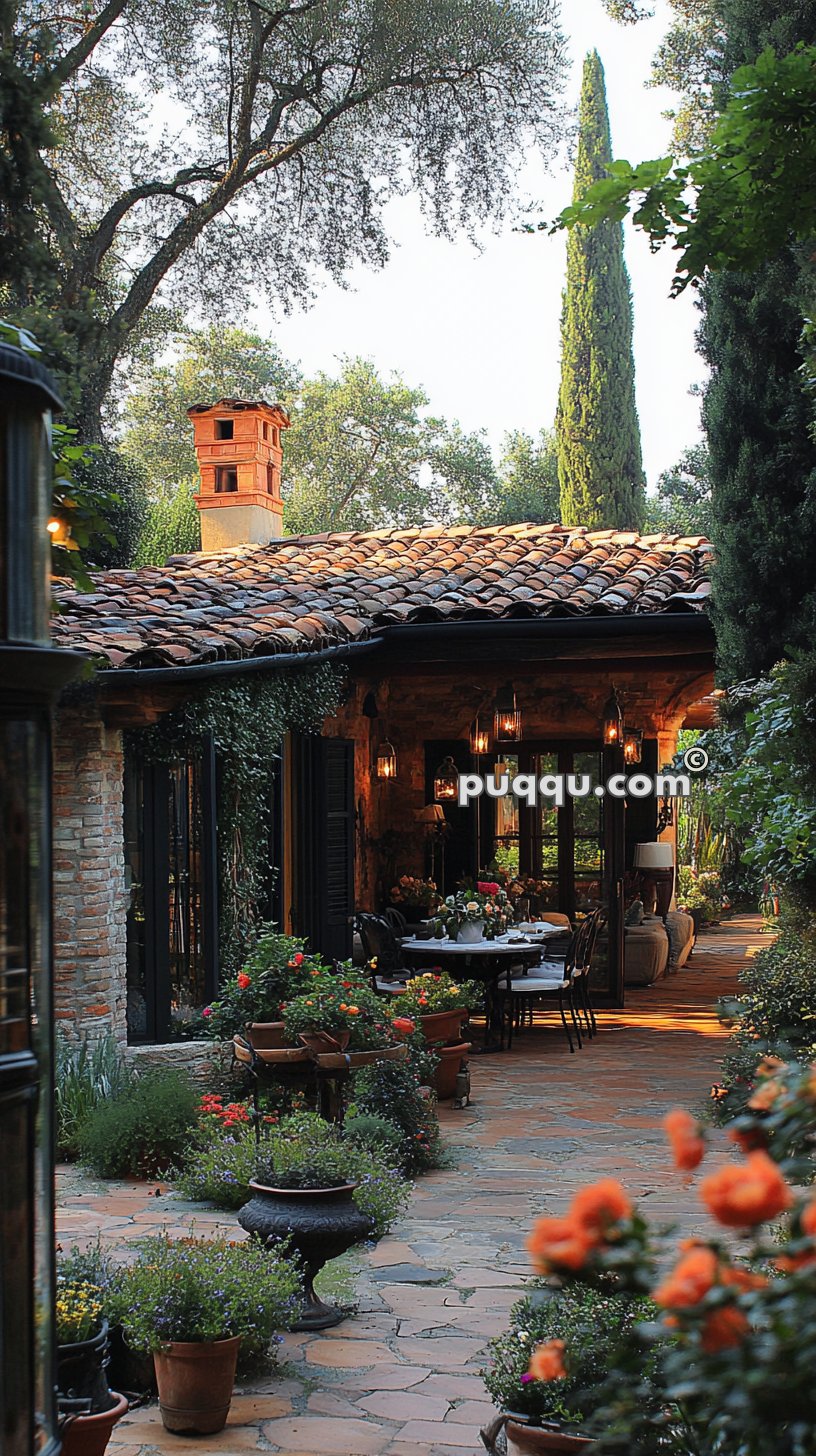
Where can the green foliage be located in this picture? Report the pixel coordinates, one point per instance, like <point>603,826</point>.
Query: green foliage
<point>276,968</point>
<point>303,1151</point>
<point>771,792</point>
<point>85,1074</point>
<point>700,892</point>
<point>597,432</point>
<point>378,1134</point>
<point>208,1289</point>
<point>107,473</point>
<point>247,719</point>
<point>218,1170</point>
<point>682,506</point>
<point>738,202</point>
<point>392,1090</point>
<point>172,527</point>
<point>592,1324</point>
<point>527,488</point>
<point>342,1005</point>
<point>292,178</point>
<point>144,1129</point>
<point>433,991</point>
<point>775,1016</point>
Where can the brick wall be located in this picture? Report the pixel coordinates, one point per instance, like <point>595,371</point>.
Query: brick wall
<point>90,904</point>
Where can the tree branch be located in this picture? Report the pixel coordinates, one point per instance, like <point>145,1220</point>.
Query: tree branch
<point>79,53</point>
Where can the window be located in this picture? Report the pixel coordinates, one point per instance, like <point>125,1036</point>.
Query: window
<point>266,429</point>
<point>170,868</point>
<point>224,429</point>
<point>226,479</point>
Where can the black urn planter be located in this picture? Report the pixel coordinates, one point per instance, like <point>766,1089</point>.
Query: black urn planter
<point>320,1223</point>
<point>82,1371</point>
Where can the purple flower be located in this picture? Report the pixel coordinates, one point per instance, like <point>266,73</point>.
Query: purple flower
<point>525,1379</point>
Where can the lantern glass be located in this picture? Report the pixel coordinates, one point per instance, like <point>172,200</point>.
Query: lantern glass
<point>632,745</point>
<point>387,761</point>
<point>506,716</point>
<point>446,781</point>
<point>612,722</point>
<point>479,737</point>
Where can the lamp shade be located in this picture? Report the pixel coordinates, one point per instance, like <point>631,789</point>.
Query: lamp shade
<point>656,855</point>
<point>430,815</point>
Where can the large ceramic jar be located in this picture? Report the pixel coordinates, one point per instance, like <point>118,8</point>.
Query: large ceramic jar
<point>471,932</point>
<point>524,1440</point>
<point>320,1223</point>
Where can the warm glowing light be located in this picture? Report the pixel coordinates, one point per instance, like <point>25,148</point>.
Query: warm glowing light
<point>506,716</point>
<point>446,780</point>
<point>632,745</point>
<point>387,761</point>
<point>479,737</point>
<point>612,722</point>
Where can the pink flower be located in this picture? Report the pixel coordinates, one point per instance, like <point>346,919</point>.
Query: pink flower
<point>207,1011</point>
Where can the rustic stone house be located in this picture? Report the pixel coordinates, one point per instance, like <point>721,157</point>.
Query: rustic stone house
<point>430,627</point>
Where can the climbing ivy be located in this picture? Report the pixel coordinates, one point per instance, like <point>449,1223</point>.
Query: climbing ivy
<point>247,719</point>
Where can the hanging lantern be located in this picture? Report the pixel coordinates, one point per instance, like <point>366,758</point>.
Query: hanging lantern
<point>479,736</point>
<point>386,761</point>
<point>446,781</point>
<point>612,722</point>
<point>632,745</point>
<point>665,813</point>
<point>506,716</point>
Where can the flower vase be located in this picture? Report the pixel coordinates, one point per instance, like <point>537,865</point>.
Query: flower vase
<point>471,932</point>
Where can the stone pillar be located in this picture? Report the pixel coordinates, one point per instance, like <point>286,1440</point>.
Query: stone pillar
<point>90,903</point>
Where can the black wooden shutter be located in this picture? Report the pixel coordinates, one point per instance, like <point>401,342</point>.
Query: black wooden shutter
<point>323,794</point>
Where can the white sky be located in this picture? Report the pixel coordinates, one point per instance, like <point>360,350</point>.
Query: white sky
<point>480,330</point>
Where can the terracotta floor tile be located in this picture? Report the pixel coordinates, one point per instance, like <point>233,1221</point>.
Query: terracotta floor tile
<point>462,1438</point>
<point>405,1406</point>
<point>322,1436</point>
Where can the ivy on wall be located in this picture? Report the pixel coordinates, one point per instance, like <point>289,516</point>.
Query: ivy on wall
<point>247,719</point>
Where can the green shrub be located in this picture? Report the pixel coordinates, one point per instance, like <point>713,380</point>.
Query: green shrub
<point>392,1090</point>
<point>145,1130</point>
<point>381,1136</point>
<point>208,1289</point>
<point>776,1016</point>
<point>220,1171</point>
<point>591,1323</point>
<point>84,1076</point>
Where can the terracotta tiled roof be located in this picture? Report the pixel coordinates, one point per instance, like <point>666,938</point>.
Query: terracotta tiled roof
<point>308,592</point>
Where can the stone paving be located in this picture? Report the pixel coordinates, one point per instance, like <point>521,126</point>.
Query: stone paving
<point>401,1377</point>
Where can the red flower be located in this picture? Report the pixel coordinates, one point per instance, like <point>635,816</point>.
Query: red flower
<point>404,1025</point>
<point>298,958</point>
<point>243,981</point>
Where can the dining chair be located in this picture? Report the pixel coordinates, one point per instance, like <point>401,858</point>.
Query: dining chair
<point>597,922</point>
<point>549,980</point>
<point>381,944</point>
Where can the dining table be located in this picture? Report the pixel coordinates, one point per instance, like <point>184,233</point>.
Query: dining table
<point>486,961</point>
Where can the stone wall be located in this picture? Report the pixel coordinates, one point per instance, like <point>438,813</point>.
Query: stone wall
<point>90,903</point>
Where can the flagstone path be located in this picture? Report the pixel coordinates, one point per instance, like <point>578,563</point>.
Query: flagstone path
<point>401,1377</point>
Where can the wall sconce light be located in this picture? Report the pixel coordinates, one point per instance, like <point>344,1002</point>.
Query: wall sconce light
<point>446,781</point>
<point>506,716</point>
<point>386,761</point>
<point>632,745</point>
<point>612,722</point>
<point>479,736</point>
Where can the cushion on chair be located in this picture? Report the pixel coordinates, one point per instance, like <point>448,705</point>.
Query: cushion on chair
<point>530,985</point>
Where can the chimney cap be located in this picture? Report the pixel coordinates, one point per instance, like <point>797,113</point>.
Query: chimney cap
<point>236,406</point>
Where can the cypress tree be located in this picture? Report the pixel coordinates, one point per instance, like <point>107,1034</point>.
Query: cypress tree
<point>600,472</point>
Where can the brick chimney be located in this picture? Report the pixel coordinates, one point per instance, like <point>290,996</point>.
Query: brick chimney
<point>238,445</point>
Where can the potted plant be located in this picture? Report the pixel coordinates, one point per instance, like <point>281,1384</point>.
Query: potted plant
<point>413,896</point>
<point>549,1370</point>
<point>342,1021</point>
<point>470,915</point>
<point>438,1003</point>
<point>317,1192</point>
<point>88,1409</point>
<point>192,1303</point>
<point>250,1002</point>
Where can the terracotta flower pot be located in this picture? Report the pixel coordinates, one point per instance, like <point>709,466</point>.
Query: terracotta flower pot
<point>525,1440</point>
<point>266,1035</point>
<point>89,1435</point>
<point>325,1041</point>
<point>450,1062</point>
<point>321,1224</point>
<point>443,1025</point>
<point>195,1384</point>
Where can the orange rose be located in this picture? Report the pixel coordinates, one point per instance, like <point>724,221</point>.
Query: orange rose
<point>603,1203</point>
<point>789,1263</point>
<point>687,1144</point>
<point>769,1066</point>
<point>559,1243</point>
<point>723,1329</point>
<point>808,1219</point>
<point>750,1193</point>
<point>691,1278</point>
<point>765,1096</point>
<point>353,1010</point>
<point>748,1140</point>
<point>547,1361</point>
<point>243,981</point>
